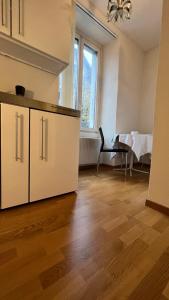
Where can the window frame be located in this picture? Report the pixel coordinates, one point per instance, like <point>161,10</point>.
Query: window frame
<point>83,40</point>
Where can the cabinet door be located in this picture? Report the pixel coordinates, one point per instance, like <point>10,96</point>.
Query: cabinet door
<point>5,16</point>
<point>44,25</point>
<point>54,154</point>
<point>14,155</point>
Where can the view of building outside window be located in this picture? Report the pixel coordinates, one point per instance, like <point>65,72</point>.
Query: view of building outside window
<point>89,87</point>
<point>88,83</point>
<point>76,73</point>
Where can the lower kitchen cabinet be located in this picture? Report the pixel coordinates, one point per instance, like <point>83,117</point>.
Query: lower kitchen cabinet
<point>39,154</point>
<point>54,154</point>
<point>14,155</point>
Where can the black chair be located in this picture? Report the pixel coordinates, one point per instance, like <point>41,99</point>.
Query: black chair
<point>114,149</point>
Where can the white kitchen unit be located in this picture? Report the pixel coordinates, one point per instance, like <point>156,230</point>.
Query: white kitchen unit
<point>44,25</point>
<point>14,155</point>
<point>37,32</point>
<point>54,154</point>
<point>39,150</point>
<point>5,19</point>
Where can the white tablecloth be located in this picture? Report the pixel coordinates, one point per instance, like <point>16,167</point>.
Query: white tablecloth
<point>140,144</point>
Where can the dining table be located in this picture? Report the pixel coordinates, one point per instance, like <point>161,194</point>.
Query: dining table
<point>139,144</point>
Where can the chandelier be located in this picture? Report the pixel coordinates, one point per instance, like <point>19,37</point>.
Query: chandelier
<point>119,9</point>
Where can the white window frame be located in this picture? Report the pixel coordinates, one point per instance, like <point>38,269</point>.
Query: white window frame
<point>83,40</point>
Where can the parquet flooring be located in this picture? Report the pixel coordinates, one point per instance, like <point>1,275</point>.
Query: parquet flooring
<point>101,243</point>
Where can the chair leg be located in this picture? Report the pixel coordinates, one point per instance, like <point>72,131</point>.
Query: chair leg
<point>131,163</point>
<point>98,162</point>
<point>126,164</point>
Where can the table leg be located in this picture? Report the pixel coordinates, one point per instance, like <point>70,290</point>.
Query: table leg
<point>131,162</point>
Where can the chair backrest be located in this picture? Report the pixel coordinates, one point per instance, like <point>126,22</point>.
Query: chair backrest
<point>102,138</point>
<point>116,142</point>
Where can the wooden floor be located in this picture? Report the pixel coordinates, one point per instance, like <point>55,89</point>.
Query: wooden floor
<point>102,243</point>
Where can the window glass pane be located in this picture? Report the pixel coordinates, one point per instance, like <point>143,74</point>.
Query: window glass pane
<point>76,73</point>
<point>89,87</point>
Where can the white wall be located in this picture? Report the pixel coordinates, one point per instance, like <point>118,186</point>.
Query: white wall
<point>130,84</point>
<point>147,101</point>
<point>66,77</point>
<point>159,187</point>
<point>109,94</point>
<point>40,85</point>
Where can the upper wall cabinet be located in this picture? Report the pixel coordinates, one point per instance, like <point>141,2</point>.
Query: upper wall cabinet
<point>44,25</point>
<point>43,29</point>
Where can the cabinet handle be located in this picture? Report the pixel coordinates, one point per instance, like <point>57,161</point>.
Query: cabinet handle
<point>22,138</point>
<point>21,118</point>
<point>42,141</point>
<point>20,12</point>
<point>3,12</point>
<point>46,140</point>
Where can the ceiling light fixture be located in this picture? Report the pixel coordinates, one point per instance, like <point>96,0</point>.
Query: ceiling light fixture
<point>119,9</point>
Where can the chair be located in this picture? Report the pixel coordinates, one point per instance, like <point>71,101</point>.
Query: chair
<point>114,149</point>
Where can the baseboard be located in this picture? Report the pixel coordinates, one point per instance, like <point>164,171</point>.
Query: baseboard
<point>158,207</point>
<point>94,166</point>
<point>112,166</point>
<point>86,167</point>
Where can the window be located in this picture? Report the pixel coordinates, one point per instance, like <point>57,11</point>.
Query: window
<point>85,88</point>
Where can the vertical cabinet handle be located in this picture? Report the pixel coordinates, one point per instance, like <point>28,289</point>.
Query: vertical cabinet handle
<point>20,13</point>
<point>21,138</point>
<point>44,139</point>
<point>17,137</point>
<point>42,134</point>
<point>4,12</point>
<point>19,141</point>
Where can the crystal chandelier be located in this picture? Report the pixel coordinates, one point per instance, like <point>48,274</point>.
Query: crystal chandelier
<point>119,9</point>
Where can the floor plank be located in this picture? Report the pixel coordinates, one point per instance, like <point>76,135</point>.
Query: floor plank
<point>99,243</point>
<point>152,286</point>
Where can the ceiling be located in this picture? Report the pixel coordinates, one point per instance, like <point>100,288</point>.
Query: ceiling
<point>145,24</point>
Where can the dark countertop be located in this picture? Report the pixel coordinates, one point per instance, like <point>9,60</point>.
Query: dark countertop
<point>39,105</point>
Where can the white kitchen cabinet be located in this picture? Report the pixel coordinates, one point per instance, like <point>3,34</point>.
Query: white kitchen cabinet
<point>5,17</point>
<point>54,154</point>
<point>44,25</point>
<point>38,33</point>
<point>14,155</point>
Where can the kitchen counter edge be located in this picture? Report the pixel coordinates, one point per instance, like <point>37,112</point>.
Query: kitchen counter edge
<point>39,105</point>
